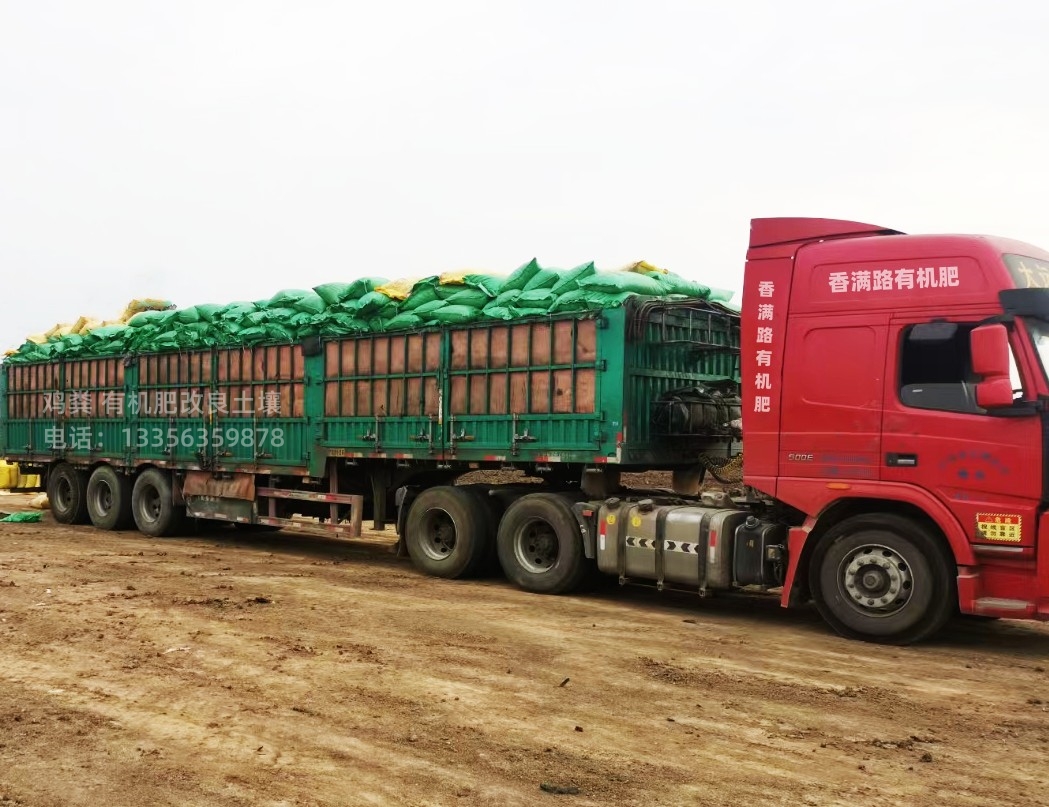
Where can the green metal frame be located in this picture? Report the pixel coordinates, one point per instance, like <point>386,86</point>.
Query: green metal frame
<point>633,365</point>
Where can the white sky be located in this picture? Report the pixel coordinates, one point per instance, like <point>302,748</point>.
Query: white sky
<point>212,151</point>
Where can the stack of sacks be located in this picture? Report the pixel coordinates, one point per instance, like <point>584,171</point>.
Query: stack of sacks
<point>368,305</point>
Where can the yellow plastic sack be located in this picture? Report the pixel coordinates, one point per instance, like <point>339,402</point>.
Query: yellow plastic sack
<point>398,289</point>
<point>37,338</point>
<point>86,324</point>
<point>145,304</point>
<point>8,475</point>
<point>40,502</point>
<point>644,266</point>
<point>458,277</point>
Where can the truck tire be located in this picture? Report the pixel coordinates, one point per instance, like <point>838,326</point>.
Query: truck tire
<point>155,512</point>
<point>67,494</point>
<point>493,511</point>
<point>447,532</point>
<point>109,499</point>
<point>540,547</point>
<point>883,578</point>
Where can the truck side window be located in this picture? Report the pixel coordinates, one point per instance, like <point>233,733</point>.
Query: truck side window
<point>936,368</point>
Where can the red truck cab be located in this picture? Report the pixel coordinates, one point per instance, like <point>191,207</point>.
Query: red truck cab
<point>894,396</point>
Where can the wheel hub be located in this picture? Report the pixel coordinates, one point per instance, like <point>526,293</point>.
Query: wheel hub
<point>536,547</point>
<point>877,579</point>
<point>439,530</point>
<point>64,494</point>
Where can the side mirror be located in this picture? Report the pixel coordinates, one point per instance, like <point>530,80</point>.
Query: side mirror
<point>990,355</point>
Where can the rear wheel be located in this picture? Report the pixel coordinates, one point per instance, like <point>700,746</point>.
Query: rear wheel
<point>883,578</point>
<point>152,504</point>
<point>540,547</point>
<point>67,494</point>
<point>109,499</point>
<point>447,532</point>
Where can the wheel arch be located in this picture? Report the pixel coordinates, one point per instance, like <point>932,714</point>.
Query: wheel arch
<point>797,591</point>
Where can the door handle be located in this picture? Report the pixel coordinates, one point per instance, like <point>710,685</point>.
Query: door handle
<point>894,460</point>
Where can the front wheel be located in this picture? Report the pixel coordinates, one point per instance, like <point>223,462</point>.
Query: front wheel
<point>882,578</point>
<point>540,546</point>
<point>152,503</point>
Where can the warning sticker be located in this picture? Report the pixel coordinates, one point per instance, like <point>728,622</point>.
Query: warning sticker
<point>999,527</point>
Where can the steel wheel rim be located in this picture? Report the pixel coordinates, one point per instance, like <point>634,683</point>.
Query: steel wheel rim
<point>876,580</point>
<point>63,493</point>
<point>150,505</point>
<point>438,534</point>
<point>103,498</point>
<point>536,547</point>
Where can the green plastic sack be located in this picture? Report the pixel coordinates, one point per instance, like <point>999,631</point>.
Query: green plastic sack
<point>23,518</point>
<point>473,297</point>
<point>186,316</point>
<point>519,278</point>
<point>277,332</point>
<point>675,284</point>
<point>371,303</point>
<point>530,312</point>
<point>536,298</point>
<point>588,300</point>
<point>616,282</point>
<point>155,318</point>
<point>237,311</point>
<point>286,298</point>
<point>333,293</point>
<point>570,280</point>
<point>404,321</point>
<point>363,285</point>
<point>542,279</point>
<point>310,303</point>
<point>494,311</point>
<point>339,324</point>
<point>422,293</point>
<point>281,314</point>
<point>455,314</point>
<point>426,309</point>
<point>489,284</point>
<point>252,335</point>
<point>507,297</point>
<point>208,312</point>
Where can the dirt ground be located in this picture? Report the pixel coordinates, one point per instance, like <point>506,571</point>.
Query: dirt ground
<point>282,669</point>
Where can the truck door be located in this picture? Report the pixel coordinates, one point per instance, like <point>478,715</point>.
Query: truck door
<point>833,383</point>
<point>986,468</point>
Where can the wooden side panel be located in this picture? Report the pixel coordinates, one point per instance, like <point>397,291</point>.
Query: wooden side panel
<point>585,392</point>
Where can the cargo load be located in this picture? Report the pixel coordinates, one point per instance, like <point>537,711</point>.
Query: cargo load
<point>366,305</point>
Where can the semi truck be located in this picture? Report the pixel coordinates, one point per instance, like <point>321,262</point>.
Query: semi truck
<point>877,413</point>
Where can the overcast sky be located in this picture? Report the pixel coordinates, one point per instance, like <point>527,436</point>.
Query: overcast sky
<point>212,151</point>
